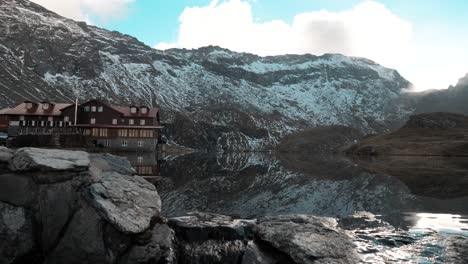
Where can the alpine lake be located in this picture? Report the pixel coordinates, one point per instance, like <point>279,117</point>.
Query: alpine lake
<point>421,202</point>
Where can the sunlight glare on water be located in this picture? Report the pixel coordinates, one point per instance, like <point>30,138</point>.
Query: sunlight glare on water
<point>445,223</point>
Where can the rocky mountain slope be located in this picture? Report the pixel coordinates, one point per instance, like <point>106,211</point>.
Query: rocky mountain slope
<point>210,97</point>
<point>453,100</point>
<point>433,134</point>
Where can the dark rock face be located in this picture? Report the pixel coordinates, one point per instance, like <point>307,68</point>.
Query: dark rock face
<point>16,233</point>
<point>434,134</point>
<point>319,140</point>
<point>451,100</point>
<point>210,97</point>
<point>438,121</point>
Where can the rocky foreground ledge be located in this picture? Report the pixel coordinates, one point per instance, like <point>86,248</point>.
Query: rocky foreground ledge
<point>73,207</point>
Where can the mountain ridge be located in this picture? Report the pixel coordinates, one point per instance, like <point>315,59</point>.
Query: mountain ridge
<point>210,97</point>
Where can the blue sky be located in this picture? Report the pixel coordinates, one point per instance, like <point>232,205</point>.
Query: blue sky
<point>154,21</point>
<point>425,40</point>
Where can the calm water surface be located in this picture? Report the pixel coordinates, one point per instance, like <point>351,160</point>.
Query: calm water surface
<point>422,201</point>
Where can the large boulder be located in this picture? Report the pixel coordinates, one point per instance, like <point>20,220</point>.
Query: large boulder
<point>35,159</point>
<point>129,203</point>
<point>307,239</point>
<point>198,226</point>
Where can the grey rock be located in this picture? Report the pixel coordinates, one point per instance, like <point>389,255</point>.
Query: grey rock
<point>18,189</point>
<point>129,203</point>
<point>28,159</point>
<point>116,242</point>
<point>159,249</point>
<point>57,203</point>
<point>83,240</point>
<point>307,239</point>
<point>457,249</point>
<point>255,255</point>
<point>16,233</point>
<point>212,251</point>
<point>204,226</point>
<point>5,154</point>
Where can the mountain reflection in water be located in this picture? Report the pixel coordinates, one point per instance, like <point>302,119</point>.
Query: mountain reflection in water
<point>421,202</point>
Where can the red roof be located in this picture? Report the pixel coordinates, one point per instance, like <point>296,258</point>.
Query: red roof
<point>37,109</point>
<point>4,111</point>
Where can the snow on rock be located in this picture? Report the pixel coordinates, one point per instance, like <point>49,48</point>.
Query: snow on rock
<point>245,101</point>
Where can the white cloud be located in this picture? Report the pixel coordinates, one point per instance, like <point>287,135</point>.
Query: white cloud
<point>84,9</point>
<point>368,30</point>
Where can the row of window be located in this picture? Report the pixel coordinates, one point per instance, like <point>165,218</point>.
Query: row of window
<point>114,121</point>
<point>136,133</point>
<point>100,109</point>
<point>132,133</point>
<point>34,123</point>
<point>93,108</point>
<point>49,118</point>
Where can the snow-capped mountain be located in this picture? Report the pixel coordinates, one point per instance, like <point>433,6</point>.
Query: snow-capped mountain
<point>210,97</point>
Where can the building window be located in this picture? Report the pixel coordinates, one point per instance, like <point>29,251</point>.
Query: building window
<point>103,132</point>
<point>146,133</point>
<point>140,159</point>
<point>124,143</point>
<point>114,121</point>
<point>107,143</point>
<point>45,106</point>
<point>133,133</point>
<point>133,110</point>
<point>99,132</point>
<point>93,108</point>
<point>144,110</point>
<point>123,132</point>
<point>87,132</point>
<point>66,119</point>
<point>131,122</point>
<point>100,109</point>
<point>29,105</point>
<point>42,123</point>
<point>21,118</point>
<point>33,123</point>
<point>92,121</point>
<point>140,144</point>
<point>86,108</point>
<point>142,122</point>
